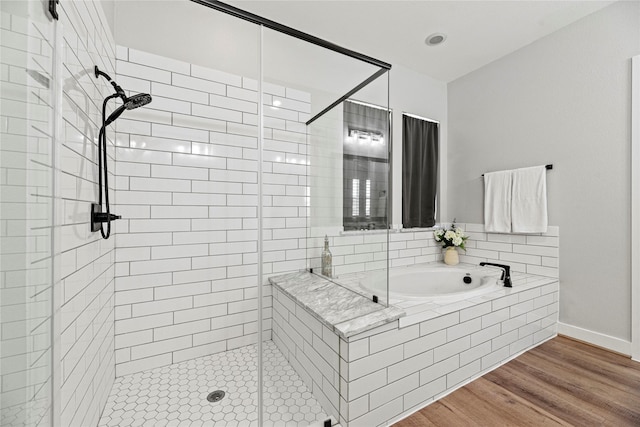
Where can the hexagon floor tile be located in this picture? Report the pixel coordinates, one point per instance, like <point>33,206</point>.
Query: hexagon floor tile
<point>32,412</point>
<point>176,395</point>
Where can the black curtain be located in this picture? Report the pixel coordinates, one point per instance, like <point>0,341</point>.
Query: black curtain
<point>419,172</point>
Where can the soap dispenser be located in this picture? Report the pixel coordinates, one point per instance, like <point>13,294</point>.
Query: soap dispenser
<point>326,258</point>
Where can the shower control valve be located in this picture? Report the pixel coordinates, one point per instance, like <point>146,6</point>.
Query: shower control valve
<point>98,217</point>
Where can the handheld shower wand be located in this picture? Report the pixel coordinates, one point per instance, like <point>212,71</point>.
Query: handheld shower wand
<point>128,103</point>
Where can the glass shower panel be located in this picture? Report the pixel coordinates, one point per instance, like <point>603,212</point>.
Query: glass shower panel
<point>301,199</point>
<point>349,189</point>
<point>26,212</point>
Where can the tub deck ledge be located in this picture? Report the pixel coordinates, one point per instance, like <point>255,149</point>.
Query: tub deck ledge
<point>345,312</point>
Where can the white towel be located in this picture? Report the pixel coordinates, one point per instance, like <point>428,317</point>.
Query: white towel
<point>497,201</point>
<point>529,200</point>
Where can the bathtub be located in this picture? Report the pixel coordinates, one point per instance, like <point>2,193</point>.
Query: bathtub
<point>434,283</point>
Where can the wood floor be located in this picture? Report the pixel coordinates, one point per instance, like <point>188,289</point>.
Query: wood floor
<point>559,383</point>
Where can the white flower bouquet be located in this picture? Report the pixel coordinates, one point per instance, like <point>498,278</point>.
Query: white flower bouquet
<point>453,237</point>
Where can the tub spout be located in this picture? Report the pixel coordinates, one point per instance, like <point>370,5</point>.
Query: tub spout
<point>506,272</point>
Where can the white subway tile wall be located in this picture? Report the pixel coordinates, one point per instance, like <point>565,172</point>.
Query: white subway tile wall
<point>450,351</point>
<point>525,253</point>
<point>86,280</point>
<point>310,347</point>
<point>186,171</point>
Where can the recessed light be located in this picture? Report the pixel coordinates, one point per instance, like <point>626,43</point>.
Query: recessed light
<point>435,39</point>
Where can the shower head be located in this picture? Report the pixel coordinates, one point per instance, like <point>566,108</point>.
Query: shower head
<point>138,100</point>
<point>130,103</point>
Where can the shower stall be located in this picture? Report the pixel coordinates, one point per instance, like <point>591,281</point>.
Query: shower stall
<point>233,175</point>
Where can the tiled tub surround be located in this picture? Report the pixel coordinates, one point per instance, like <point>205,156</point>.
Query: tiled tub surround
<point>525,253</point>
<point>390,371</point>
<point>186,186</point>
<point>361,251</point>
<point>358,253</point>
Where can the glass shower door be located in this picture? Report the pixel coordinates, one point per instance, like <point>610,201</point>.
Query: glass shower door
<point>26,212</point>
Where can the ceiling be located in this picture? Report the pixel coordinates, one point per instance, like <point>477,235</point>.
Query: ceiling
<point>478,32</point>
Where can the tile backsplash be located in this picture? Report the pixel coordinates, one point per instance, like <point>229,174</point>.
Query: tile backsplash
<point>526,253</point>
<point>361,251</point>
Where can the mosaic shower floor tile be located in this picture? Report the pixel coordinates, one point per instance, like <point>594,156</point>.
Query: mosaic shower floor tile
<point>176,395</point>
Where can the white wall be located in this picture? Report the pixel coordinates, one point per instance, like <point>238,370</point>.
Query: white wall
<point>109,9</point>
<point>564,99</point>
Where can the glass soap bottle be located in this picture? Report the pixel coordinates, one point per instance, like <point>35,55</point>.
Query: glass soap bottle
<point>326,258</point>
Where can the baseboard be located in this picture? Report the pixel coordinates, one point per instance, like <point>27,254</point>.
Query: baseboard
<point>595,338</point>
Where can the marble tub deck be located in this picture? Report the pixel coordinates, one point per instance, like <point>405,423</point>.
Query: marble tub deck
<point>345,312</point>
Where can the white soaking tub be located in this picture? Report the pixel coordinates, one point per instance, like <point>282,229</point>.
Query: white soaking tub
<point>435,282</point>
